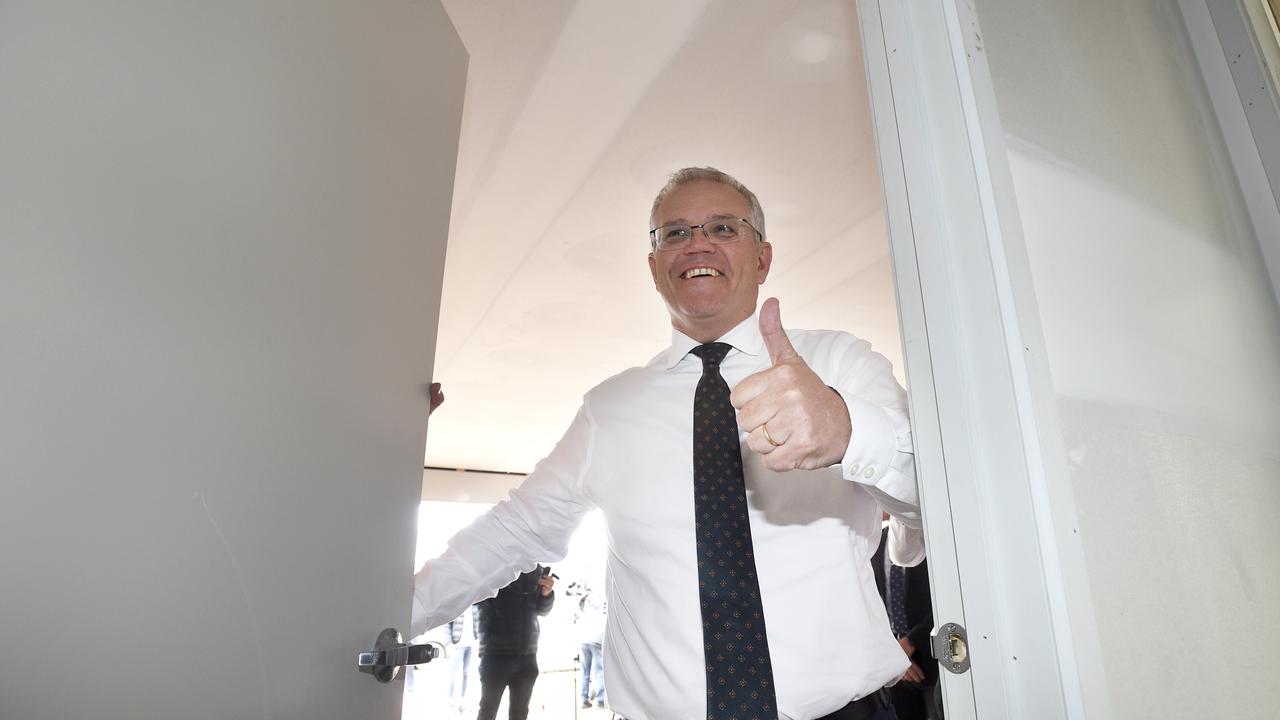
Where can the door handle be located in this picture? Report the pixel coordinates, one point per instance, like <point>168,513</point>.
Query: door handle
<point>390,653</point>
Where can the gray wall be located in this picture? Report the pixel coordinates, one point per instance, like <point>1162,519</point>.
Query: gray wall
<point>223,228</point>
<point>1163,340</point>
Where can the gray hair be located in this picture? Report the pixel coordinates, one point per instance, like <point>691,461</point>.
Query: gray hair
<point>687,175</point>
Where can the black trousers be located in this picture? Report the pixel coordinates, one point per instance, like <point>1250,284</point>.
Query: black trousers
<point>909,701</point>
<point>913,702</point>
<point>875,706</point>
<point>499,672</point>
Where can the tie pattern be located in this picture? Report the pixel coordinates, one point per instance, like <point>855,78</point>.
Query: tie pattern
<point>736,649</point>
<point>897,600</point>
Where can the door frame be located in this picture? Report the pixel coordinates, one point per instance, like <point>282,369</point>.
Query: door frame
<point>994,483</point>
<point>1243,97</point>
<point>1004,554</point>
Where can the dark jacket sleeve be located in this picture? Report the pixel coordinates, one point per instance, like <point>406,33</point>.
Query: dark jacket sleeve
<point>920,613</point>
<point>545,602</point>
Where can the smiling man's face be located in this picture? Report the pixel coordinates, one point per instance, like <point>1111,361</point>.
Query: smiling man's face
<point>708,288</point>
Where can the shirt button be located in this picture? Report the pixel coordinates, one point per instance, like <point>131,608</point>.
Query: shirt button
<point>853,469</point>
<point>869,472</point>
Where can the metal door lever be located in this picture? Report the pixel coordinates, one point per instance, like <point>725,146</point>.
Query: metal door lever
<point>390,653</point>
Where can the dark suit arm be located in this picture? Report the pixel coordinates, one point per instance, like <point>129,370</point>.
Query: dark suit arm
<point>920,601</point>
<point>919,635</point>
<point>545,602</point>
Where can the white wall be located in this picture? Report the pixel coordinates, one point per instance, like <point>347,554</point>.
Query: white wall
<point>1163,341</point>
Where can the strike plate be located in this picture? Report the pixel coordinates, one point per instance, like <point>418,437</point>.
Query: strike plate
<point>950,646</point>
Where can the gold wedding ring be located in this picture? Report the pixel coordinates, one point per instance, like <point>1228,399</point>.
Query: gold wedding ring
<point>771,441</point>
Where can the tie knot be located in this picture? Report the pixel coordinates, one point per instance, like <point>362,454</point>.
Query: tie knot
<point>711,353</point>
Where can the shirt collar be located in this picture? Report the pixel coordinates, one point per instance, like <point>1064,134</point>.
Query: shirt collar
<point>745,338</point>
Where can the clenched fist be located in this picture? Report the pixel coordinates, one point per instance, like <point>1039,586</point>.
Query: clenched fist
<point>792,419</point>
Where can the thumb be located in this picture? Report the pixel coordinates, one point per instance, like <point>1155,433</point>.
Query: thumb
<point>775,338</point>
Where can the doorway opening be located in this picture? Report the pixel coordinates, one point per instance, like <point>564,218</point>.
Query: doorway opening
<point>450,685</point>
<point>575,115</point>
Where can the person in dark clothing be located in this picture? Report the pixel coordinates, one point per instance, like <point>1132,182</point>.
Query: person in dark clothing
<point>917,695</point>
<point>507,631</point>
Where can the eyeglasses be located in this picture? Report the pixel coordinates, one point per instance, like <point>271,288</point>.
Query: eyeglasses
<point>719,231</point>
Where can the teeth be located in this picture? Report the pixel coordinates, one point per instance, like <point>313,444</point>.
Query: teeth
<point>699,272</point>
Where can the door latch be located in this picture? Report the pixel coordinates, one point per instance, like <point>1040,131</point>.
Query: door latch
<point>949,644</point>
<point>390,653</point>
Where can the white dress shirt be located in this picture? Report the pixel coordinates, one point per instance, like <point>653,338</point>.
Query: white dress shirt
<point>629,452</point>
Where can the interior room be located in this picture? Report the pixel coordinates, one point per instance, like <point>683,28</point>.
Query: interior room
<point>241,241</point>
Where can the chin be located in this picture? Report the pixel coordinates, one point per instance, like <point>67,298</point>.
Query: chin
<point>699,313</point>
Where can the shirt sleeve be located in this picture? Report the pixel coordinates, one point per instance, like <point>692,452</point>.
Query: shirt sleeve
<point>532,525</point>
<point>879,455</point>
<point>905,544</point>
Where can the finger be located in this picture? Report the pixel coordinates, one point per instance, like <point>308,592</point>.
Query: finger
<point>758,444</point>
<point>749,389</point>
<point>775,338</point>
<point>758,412</point>
<point>780,460</point>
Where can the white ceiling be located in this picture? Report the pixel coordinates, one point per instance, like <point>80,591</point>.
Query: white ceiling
<point>576,112</point>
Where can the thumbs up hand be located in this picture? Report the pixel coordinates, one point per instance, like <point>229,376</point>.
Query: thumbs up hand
<point>793,420</point>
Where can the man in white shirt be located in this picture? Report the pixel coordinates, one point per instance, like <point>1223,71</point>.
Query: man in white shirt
<point>826,440</point>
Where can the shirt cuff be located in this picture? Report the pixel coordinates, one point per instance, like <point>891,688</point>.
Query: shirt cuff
<point>872,443</point>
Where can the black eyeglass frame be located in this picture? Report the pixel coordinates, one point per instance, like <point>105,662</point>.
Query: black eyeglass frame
<point>653,233</point>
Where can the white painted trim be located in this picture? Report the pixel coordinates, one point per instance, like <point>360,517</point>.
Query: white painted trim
<point>944,573</point>
<point>1225,49</point>
<point>971,331</point>
<point>990,157</point>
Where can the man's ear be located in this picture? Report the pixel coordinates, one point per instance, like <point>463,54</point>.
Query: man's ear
<point>653,269</point>
<point>764,260</point>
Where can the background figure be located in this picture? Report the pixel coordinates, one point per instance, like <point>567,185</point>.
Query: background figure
<point>462,634</point>
<point>426,685</point>
<point>591,620</point>
<point>906,599</point>
<point>507,629</point>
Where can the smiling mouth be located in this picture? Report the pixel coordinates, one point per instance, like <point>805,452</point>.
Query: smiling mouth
<point>700,272</point>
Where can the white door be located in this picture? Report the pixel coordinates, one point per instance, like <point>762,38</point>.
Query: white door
<point>222,229</point>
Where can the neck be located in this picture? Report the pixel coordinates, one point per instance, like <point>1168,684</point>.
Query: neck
<point>711,330</point>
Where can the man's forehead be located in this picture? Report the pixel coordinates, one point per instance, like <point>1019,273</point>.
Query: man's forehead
<point>704,218</point>
<point>707,198</point>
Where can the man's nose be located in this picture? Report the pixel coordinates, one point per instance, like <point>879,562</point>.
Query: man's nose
<point>699,242</point>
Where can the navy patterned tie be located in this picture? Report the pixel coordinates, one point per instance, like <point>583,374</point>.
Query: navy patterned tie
<point>739,672</point>
<point>897,592</point>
